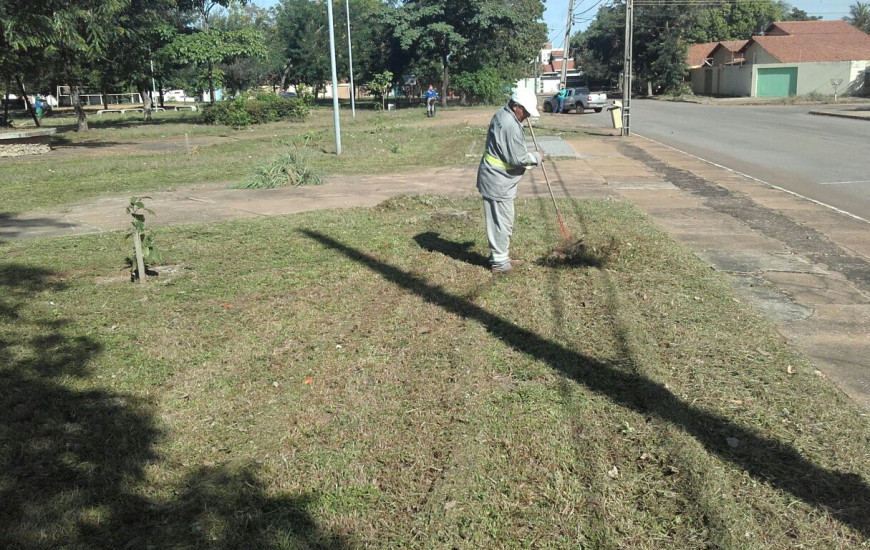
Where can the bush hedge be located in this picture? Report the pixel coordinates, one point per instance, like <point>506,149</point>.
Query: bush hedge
<point>241,112</point>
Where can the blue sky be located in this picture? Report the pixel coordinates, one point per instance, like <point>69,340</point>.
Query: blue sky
<point>557,11</point>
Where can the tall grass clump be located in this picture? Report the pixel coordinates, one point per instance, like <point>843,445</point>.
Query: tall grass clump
<point>288,168</point>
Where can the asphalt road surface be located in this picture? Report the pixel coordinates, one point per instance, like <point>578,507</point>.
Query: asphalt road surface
<point>823,158</point>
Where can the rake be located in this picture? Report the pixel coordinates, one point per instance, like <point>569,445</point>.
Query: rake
<point>563,229</point>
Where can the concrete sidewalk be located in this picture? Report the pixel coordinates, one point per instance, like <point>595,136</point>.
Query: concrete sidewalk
<point>855,112</point>
<point>806,268</point>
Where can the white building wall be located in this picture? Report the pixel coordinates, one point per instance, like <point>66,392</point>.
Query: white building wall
<point>736,80</point>
<point>756,54</point>
<point>696,80</point>
<point>859,78</point>
<point>730,80</point>
<point>816,77</point>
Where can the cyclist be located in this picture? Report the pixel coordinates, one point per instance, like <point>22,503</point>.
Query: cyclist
<point>431,98</point>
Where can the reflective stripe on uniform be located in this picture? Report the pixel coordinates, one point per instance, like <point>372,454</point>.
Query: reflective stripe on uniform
<point>498,163</point>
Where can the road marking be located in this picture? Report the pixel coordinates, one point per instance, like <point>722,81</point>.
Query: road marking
<point>841,182</point>
<point>753,178</point>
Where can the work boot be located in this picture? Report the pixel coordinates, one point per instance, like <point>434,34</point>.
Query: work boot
<point>502,271</point>
<point>517,263</point>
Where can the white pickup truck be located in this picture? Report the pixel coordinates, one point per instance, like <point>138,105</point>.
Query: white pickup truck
<point>578,99</point>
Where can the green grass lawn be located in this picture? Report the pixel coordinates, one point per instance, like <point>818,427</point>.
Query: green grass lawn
<point>358,379</point>
<point>121,155</point>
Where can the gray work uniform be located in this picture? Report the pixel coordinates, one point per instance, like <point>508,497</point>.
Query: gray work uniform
<point>503,164</point>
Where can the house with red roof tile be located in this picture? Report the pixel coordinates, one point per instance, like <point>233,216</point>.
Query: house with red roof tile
<point>550,70</point>
<point>789,58</point>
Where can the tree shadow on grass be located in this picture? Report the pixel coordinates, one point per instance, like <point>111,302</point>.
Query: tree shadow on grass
<point>433,242</point>
<point>72,460</point>
<point>845,495</point>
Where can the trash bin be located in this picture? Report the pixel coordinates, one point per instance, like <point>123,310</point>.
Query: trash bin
<point>616,113</point>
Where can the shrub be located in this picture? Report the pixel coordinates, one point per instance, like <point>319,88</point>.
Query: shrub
<point>263,108</point>
<point>486,85</point>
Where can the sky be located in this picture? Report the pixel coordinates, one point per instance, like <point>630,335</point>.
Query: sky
<point>556,13</point>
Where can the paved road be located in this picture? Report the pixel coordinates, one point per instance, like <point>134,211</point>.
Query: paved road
<point>824,158</point>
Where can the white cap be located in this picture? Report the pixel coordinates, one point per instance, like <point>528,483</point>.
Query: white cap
<point>527,99</point>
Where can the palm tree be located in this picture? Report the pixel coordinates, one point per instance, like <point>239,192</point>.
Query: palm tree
<point>859,16</point>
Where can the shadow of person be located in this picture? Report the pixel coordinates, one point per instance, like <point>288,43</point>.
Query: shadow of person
<point>433,242</point>
<point>73,454</point>
<point>771,461</point>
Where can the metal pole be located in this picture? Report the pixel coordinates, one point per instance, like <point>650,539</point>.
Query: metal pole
<point>350,62</point>
<point>626,77</point>
<point>153,84</point>
<point>334,80</point>
<point>564,78</point>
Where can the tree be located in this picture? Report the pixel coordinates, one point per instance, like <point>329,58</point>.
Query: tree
<point>664,31</point>
<point>300,43</point>
<point>302,29</point>
<point>75,32</point>
<point>468,35</point>
<point>602,44</point>
<point>82,33</point>
<point>128,61</point>
<point>202,48</point>
<point>737,21</point>
<point>859,16</point>
<point>791,13</point>
<point>245,72</point>
<point>210,48</point>
<point>380,84</point>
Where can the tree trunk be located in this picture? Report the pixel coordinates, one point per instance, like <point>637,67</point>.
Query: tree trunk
<point>105,97</point>
<point>649,91</point>
<point>211,81</point>
<point>445,83</point>
<point>6,104</point>
<point>76,100</point>
<point>30,108</point>
<point>160,92</point>
<point>284,74</point>
<point>147,103</point>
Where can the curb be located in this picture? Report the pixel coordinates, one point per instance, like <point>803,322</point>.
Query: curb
<point>841,115</point>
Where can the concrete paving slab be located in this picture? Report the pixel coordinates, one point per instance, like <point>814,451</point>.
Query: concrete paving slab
<point>769,300</point>
<point>816,289</point>
<point>553,146</point>
<point>642,183</point>
<point>744,261</point>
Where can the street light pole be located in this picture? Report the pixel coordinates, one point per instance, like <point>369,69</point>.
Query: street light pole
<point>350,61</point>
<point>336,122</point>
<point>563,80</point>
<point>626,68</point>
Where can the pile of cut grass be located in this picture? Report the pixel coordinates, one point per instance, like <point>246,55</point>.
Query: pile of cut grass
<point>359,379</point>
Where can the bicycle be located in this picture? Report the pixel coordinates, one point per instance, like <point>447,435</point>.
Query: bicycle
<point>430,106</point>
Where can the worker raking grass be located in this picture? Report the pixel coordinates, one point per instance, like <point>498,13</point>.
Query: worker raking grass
<point>504,162</point>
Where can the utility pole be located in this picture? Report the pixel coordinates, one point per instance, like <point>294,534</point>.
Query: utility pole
<point>626,68</point>
<point>350,62</point>
<point>334,79</point>
<point>564,78</point>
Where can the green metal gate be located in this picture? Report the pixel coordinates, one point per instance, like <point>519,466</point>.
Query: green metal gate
<point>777,82</point>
